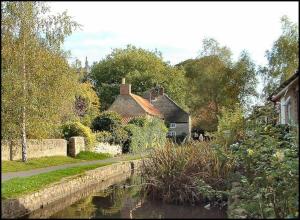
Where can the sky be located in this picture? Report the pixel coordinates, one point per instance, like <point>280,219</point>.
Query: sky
<point>174,28</point>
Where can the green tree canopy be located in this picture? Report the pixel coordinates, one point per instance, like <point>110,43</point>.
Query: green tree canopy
<point>143,69</point>
<point>87,104</point>
<point>38,84</point>
<point>215,81</point>
<point>283,58</point>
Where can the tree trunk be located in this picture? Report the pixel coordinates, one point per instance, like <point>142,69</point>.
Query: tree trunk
<point>24,141</point>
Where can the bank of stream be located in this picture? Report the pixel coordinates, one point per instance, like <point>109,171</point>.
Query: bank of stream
<point>122,199</point>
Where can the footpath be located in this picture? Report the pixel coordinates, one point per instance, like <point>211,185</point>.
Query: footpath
<point>27,173</point>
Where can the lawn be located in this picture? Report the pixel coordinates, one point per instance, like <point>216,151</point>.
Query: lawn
<point>34,163</point>
<point>20,186</point>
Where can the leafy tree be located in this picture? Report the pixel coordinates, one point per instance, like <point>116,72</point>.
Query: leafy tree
<point>107,121</point>
<point>87,103</point>
<point>215,81</point>
<point>143,69</point>
<point>37,81</point>
<point>283,58</point>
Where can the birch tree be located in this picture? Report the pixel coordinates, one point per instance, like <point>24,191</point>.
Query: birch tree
<point>37,81</point>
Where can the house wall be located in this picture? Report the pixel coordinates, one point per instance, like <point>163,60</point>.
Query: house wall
<point>292,92</point>
<point>125,105</point>
<point>181,128</point>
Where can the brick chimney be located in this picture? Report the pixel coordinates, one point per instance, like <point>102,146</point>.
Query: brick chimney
<point>125,89</point>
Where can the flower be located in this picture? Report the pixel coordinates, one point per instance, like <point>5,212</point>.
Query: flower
<point>250,152</point>
<point>279,155</point>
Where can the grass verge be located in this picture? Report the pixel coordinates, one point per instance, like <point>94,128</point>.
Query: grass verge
<point>87,155</point>
<point>21,186</point>
<point>35,163</point>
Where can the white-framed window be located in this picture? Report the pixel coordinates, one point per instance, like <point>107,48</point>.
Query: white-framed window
<point>172,125</point>
<point>288,112</point>
<point>172,133</point>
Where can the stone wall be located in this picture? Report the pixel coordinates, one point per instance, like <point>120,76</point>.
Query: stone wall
<point>14,208</point>
<point>75,145</point>
<point>107,148</point>
<point>35,148</point>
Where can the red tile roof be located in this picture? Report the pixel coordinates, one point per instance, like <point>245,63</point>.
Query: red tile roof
<point>145,104</point>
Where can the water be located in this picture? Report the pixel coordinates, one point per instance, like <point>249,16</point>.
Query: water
<point>122,200</point>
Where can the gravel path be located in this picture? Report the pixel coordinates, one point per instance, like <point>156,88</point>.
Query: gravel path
<point>10,175</point>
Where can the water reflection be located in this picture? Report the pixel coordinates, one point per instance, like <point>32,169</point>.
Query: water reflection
<point>121,201</point>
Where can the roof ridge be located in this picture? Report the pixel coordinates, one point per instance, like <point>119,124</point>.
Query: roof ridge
<point>175,103</point>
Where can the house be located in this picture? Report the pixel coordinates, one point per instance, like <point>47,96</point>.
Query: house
<point>286,100</point>
<point>154,103</point>
<point>130,106</point>
<point>177,119</point>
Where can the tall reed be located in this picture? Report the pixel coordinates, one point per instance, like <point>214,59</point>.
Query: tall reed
<point>188,173</point>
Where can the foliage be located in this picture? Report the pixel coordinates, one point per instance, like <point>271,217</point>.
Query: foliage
<point>185,174</point>
<point>38,85</point>
<point>20,186</point>
<point>231,127</point>
<point>141,139</point>
<point>283,58</point>
<point>107,121</point>
<point>120,136</point>
<point>103,136</point>
<point>216,81</point>
<point>269,158</point>
<point>88,155</point>
<point>143,69</point>
<point>138,121</point>
<point>87,103</point>
<point>71,129</point>
<point>33,163</point>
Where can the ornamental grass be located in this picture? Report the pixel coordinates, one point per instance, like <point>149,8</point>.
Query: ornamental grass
<point>189,173</point>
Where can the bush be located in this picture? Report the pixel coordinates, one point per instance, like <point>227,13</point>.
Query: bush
<point>71,129</point>
<point>107,121</point>
<point>139,121</point>
<point>140,139</point>
<point>119,136</point>
<point>104,136</point>
<point>231,127</point>
<point>184,174</point>
<point>269,157</point>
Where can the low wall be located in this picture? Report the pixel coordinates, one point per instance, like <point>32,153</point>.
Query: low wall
<point>107,148</point>
<point>14,208</point>
<point>35,148</point>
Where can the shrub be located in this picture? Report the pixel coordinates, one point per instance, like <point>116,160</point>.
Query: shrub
<point>71,129</point>
<point>119,136</point>
<point>104,136</point>
<point>184,174</point>
<point>231,127</point>
<point>107,121</point>
<point>139,121</point>
<point>151,135</point>
<point>269,158</point>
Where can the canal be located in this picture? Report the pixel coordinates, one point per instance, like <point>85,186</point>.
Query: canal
<point>121,200</point>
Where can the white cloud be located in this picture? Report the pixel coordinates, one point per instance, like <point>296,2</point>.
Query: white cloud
<point>239,25</point>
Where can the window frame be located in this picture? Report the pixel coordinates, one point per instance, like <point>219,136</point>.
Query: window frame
<point>172,123</point>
